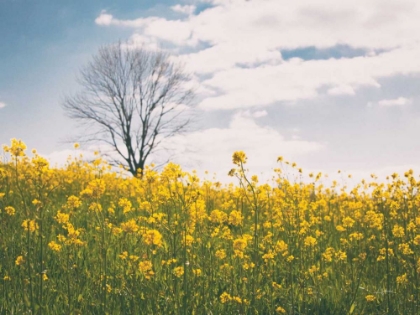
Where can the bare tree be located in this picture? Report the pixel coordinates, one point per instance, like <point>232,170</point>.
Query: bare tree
<point>131,100</point>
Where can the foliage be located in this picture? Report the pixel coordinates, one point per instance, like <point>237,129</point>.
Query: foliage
<point>85,240</point>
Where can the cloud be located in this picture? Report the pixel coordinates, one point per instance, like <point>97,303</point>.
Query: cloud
<point>341,90</point>
<point>2,104</point>
<point>185,9</point>
<point>105,19</point>
<point>278,23</point>
<point>300,80</point>
<point>401,101</point>
<point>260,113</point>
<point>237,46</point>
<point>211,149</point>
<point>255,114</point>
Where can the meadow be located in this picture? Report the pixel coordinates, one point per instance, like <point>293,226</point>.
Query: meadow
<point>84,239</point>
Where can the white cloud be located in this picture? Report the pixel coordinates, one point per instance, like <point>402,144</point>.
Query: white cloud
<point>260,113</point>
<point>241,55</point>
<point>290,81</point>
<point>174,31</point>
<point>279,23</point>
<point>186,9</point>
<point>2,104</point>
<point>256,114</point>
<point>104,19</point>
<point>341,90</point>
<point>138,40</point>
<point>401,101</point>
<point>211,149</point>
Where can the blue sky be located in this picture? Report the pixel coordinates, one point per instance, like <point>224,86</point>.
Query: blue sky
<point>45,44</point>
<point>329,86</point>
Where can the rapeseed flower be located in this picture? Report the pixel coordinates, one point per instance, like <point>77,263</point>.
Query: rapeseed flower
<point>178,271</point>
<point>239,158</point>
<point>152,237</point>
<point>30,225</point>
<point>19,260</point>
<point>10,210</point>
<point>54,246</point>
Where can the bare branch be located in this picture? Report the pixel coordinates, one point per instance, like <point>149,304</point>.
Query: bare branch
<point>129,101</point>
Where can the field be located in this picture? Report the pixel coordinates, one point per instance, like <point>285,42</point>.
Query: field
<point>87,240</point>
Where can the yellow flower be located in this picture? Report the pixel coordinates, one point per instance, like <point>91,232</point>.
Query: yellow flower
<point>239,158</point>
<point>36,202</point>
<point>125,204</point>
<point>340,255</point>
<point>19,260</point>
<point>370,298</point>
<point>235,218</point>
<point>217,216</point>
<point>30,225</point>
<point>61,238</point>
<point>62,217</point>
<point>281,247</point>
<point>275,285</point>
<point>280,310</point>
<point>178,271</point>
<point>328,254</point>
<point>10,210</point>
<point>145,266</point>
<point>123,255</point>
<point>189,240</point>
<point>402,280</point>
<point>225,297</point>
<point>152,237</point>
<point>356,236</point>
<point>73,202</point>
<point>398,231</point>
<point>96,188</point>
<point>116,231</point>
<point>54,246</point>
<point>221,254</point>
<point>405,249</point>
<point>130,226</point>
<point>95,207</point>
<point>16,149</point>
<point>310,241</point>
<point>348,222</point>
<point>340,228</point>
<point>313,269</point>
<point>417,240</point>
<point>239,244</point>
<point>268,256</point>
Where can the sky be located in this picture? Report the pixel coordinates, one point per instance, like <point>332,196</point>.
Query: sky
<point>330,85</point>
